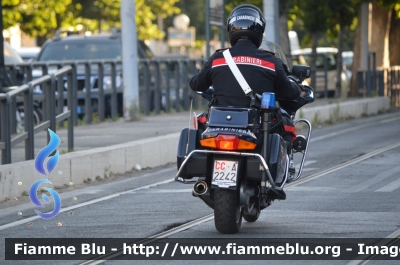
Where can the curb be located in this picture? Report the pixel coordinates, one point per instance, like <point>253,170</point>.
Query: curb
<point>99,163</point>
<point>345,110</point>
<point>89,165</point>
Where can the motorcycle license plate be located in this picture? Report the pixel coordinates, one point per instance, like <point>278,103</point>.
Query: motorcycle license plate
<point>225,171</point>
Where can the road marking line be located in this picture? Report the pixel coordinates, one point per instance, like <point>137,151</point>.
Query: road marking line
<point>390,187</point>
<point>211,216</point>
<point>344,165</point>
<point>307,163</point>
<point>310,169</point>
<point>69,208</point>
<point>387,241</point>
<point>377,179</point>
<point>352,129</point>
<point>151,239</point>
<point>166,191</point>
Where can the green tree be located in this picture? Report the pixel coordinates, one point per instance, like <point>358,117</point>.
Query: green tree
<point>43,18</point>
<point>193,9</point>
<point>34,17</point>
<point>10,14</point>
<point>231,4</point>
<point>104,14</point>
<point>39,18</point>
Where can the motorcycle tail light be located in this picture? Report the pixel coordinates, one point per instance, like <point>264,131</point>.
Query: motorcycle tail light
<point>209,142</point>
<point>246,145</point>
<point>227,142</point>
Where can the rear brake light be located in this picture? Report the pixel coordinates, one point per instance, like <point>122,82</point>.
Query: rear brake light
<point>227,142</point>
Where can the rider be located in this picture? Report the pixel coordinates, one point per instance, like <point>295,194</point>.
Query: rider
<point>262,70</point>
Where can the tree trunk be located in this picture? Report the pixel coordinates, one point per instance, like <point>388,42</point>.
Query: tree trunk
<point>380,26</point>
<point>394,40</point>
<point>40,40</point>
<point>356,56</point>
<point>315,37</point>
<point>283,28</point>
<point>339,64</point>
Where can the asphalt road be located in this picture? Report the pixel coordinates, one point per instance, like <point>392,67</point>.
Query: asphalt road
<point>357,200</point>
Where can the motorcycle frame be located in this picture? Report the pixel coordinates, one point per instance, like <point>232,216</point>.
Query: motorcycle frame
<point>305,150</point>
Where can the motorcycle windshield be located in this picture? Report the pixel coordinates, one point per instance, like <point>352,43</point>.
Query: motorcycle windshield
<point>275,48</point>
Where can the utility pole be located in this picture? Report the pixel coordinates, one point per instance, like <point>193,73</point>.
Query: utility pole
<point>223,28</point>
<point>365,34</point>
<point>207,29</point>
<point>271,14</point>
<point>5,81</point>
<point>130,60</point>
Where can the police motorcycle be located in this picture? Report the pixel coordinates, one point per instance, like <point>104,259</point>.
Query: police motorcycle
<point>238,163</point>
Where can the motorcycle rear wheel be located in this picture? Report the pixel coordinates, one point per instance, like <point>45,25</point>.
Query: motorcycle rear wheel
<point>227,213</point>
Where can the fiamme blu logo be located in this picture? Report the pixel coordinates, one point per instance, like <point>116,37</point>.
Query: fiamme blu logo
<point>45,166</point>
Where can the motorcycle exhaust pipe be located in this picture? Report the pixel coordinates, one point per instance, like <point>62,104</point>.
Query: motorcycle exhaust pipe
<point>200,188</point>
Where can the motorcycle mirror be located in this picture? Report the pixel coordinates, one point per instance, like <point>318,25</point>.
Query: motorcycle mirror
<point>309,96</point>
<point>301,71</point>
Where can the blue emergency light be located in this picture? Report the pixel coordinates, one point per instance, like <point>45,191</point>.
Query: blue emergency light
<point>268,100</point>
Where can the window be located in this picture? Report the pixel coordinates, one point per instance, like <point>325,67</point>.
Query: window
<point>319,61</point>
<point>81,51</point>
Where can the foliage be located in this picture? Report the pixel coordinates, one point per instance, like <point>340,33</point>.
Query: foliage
<point>334,11</point>
<point>194,10</point>
<point>231,4</point>
<point>147,11</point>
<point>10,15</point>
<point>391,4</point>
<point>314,15</point>
<point>42,18</point>
<point>34,17</point>
<point>342,12</point>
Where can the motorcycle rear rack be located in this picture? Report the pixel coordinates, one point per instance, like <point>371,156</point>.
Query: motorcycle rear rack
<point>304,152</point>
<point>264,164</point>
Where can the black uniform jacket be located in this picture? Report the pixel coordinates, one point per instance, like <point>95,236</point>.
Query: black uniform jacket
<point>262,71</point>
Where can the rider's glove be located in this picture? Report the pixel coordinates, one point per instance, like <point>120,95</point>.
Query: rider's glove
<point>294,79</point>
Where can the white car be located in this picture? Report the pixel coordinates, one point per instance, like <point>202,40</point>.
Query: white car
<point>303,56</point>
<point>28,54</point>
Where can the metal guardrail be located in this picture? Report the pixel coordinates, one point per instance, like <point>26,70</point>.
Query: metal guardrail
<point>163,87</point>
<point>159,80</point>
<point>8,99</point>
<point>382,82</point>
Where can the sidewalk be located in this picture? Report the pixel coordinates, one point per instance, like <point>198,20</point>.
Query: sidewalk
<point>117,147</point>
<point>119,132</point>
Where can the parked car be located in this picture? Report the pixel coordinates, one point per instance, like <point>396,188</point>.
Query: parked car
<point>348,61</point>
<point>28,54</point>
<point>11,57</point>
<point>105,46</point>
<point>303,56</point>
